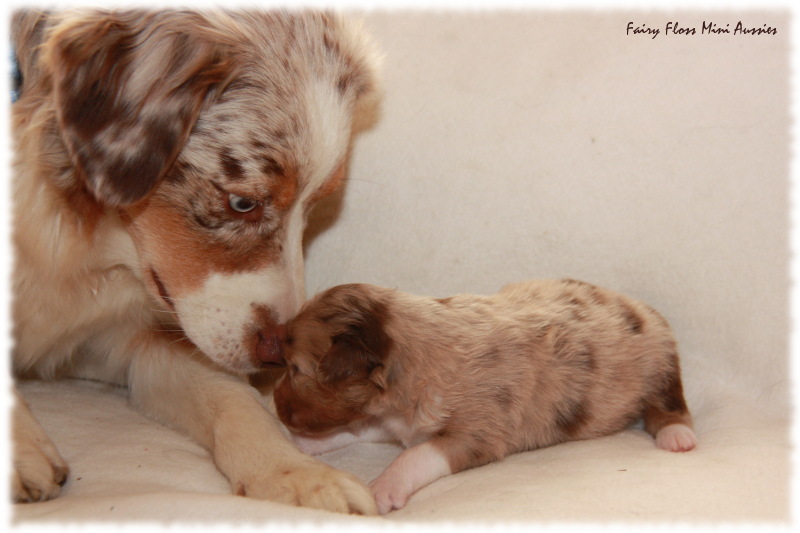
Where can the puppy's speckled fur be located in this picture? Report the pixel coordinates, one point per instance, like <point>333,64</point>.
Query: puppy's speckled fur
<point>466,380</point>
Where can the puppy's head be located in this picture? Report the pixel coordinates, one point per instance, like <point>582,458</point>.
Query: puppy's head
<point>336,355</point>
<point>211,136</point>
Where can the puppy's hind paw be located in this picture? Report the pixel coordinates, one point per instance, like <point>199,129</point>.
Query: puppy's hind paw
<point>676,438</point>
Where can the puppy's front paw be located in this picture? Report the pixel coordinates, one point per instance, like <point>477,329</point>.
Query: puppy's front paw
<point>311,483</point>
<point>390,493</point>
<point>39,470</point>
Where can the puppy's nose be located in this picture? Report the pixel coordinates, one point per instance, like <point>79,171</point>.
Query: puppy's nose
<point>269,349</point>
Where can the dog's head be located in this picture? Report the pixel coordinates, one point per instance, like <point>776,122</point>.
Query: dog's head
<point>211,136</point>
<point>336,350</point>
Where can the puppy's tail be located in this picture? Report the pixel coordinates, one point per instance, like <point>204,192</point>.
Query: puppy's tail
<point>666,416</point>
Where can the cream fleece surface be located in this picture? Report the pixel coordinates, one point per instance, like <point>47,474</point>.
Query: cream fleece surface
<point>536,144</point>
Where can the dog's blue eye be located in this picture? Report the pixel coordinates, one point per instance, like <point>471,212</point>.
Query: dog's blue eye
<point>241,204</point>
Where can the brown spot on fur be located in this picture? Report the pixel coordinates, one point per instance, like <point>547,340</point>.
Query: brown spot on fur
<point>503,397</point>
<point>673,400</point>
<point>571,416</point>
<point>594,293</point>
<point>231,166</point>
<point>576,355</point>
<point>597,296</point>
<point>344,82</point>
<point>491,356</point>
<point>577,308</point>
<point>204,222</point>
<point>280,135</point>
<point>270,166</point>
<point>331,45</point>
<point>361,343</point>
<point>632,319</point>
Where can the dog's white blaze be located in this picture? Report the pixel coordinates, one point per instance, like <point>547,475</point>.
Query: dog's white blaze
<point>329,137</point>
<point>293,252</point>
<point>219,318</point>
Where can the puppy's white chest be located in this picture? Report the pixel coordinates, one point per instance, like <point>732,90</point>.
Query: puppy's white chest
<point>408,434</point>
<point>401,430</point>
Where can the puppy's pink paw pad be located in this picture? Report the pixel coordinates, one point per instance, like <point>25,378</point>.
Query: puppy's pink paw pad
<point>676,438</point>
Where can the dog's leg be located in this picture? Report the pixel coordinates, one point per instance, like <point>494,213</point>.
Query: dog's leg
<point>39,470</point>
<point>225,415</point>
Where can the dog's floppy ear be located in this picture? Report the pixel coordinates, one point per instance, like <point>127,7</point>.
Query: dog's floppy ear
<point>27,31</point>
<point>128,88</point>
<point>359,343</point>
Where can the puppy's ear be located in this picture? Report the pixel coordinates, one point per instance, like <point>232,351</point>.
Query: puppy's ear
<point>360,343</point>
<point>128,88</point>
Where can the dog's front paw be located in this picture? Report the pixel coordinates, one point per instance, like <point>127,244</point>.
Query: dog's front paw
<point>311,483</point>
<point>39,470</point>
<point>37,477</point>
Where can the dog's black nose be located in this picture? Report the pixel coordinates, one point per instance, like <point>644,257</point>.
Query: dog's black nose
<point>269,349</point>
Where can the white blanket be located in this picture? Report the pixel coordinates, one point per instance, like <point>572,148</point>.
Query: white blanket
<point>531,144</point>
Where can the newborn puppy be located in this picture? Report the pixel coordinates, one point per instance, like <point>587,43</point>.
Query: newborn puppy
<point>467,380</point>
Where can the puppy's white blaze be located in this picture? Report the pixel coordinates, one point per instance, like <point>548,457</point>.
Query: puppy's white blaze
<point>219,318</point>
